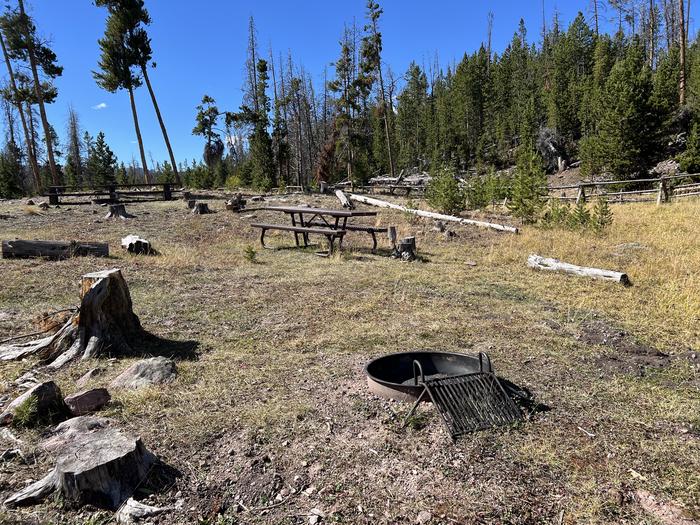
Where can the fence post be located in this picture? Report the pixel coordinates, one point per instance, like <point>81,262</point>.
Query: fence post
<point>167,192</point>
<point>581,196</point>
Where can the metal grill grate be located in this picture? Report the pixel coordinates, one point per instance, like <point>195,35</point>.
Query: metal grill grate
<point>472,402</point>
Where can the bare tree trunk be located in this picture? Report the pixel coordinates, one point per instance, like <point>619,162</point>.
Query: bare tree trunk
<point>20,110</point>
<point>40,100</point>
<point>144,70</point>
<point>595,16</point>
<point>681,27</point>
<point>138,135</point>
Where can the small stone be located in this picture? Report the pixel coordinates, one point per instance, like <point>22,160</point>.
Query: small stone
<point>87,401</point>
<point>147,372</point>
<point>424,517</point>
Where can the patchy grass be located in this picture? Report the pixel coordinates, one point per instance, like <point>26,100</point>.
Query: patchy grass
<point>276,395</point>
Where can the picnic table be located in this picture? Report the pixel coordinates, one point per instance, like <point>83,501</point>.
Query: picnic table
<point>305,221</point>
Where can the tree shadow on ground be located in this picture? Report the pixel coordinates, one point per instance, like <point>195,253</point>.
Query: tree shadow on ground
<point>151,345</point>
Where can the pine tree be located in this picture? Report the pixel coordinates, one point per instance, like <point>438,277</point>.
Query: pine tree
<point>580,217</point>
<point>443,192</point>
<point>10,170</point>
<point>602,216</point>
<point>529,183</point>
<point>101,162</point>
<point>118,58</point>
<point>206,122</point>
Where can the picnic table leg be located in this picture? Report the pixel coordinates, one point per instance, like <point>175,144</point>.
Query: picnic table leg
<point>296,234</point>
<point>374,242</point>
<point>262,237</point>
<point>304,235</point>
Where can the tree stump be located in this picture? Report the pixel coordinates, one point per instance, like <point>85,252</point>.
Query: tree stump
<point>237,203</point>
<point>191,203</point>
<point>186,195</point>
<point>405,249</point>
<point>118,211</point>
<point>96,464</point>
<point>138,246</point>
<point>105,323</point>
<point>201,208</point>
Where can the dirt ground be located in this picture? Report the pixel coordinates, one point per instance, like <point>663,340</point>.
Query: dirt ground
<point>270,420</point>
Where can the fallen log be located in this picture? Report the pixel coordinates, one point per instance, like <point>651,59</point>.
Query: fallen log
<point>430,215</point>
<point>96,463</point>
<point>55,250</point>
<point>344,199</point>
<point>104,323</point>
<point>554,265</point>
<point>136,245</point>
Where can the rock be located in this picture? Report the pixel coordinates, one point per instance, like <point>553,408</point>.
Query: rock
<point>147,372</point>
<point>96,463</point>
<point>90,374</point>
<point>424,517</point>
<point>315,516</point>
<point>87,401</point>
<point>132,511</point>
<point>49,405</point>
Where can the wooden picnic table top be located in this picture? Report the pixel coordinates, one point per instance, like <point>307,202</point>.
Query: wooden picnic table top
<point>322,211</point>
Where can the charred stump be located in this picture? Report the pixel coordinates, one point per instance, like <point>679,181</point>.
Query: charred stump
<point>118,211</point>
<point>201,208</point>
<point>237,203</point>
<point>138,246</point>
<point>405,249</point>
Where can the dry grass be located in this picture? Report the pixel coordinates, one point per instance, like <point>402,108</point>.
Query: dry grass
<point>282,343</point>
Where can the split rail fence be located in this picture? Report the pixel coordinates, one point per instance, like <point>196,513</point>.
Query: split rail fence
<point>661,190</point>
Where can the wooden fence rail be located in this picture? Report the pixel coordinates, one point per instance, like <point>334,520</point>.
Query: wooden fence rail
<point>664,189</point>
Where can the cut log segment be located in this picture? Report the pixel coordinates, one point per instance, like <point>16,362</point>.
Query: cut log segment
<point>344,199</point>
<point>96,464</point>
<point>54,250</point>
<point>430,215</point>
<point>118,211</point>
<point>201,208</point>
<point>105,324</point>
<point>138,246</point>
<point>554,265</point>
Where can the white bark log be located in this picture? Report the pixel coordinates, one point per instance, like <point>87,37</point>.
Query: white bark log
<point>344,199</point>
<point>554,265</point>
<point>430,215</point>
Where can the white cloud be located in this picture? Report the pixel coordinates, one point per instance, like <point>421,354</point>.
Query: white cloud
<point>101,105</point>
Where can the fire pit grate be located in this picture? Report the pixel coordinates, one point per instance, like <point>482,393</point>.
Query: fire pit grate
<point>472,402</point>
<point>468,402</point>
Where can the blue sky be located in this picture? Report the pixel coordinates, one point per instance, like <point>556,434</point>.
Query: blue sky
<point>200,48</point>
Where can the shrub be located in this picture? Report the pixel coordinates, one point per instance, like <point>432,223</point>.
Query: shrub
<point>602,215</point>
<point>250,254</point>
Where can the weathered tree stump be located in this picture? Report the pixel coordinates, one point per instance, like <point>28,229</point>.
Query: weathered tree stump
<point>191,203</point>
<point>118,211</point>
<point>201,208</point>
<point>405,249</point>
<point>237,203</point>
<point>96,463</point>
<point>138,246</point>
<point>55,250</point>
<point>104,324</point>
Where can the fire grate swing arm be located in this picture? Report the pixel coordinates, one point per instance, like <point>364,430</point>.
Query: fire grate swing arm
<point>469,402</point>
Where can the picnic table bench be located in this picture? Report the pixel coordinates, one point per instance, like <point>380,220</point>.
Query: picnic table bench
<point>329,223</point>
